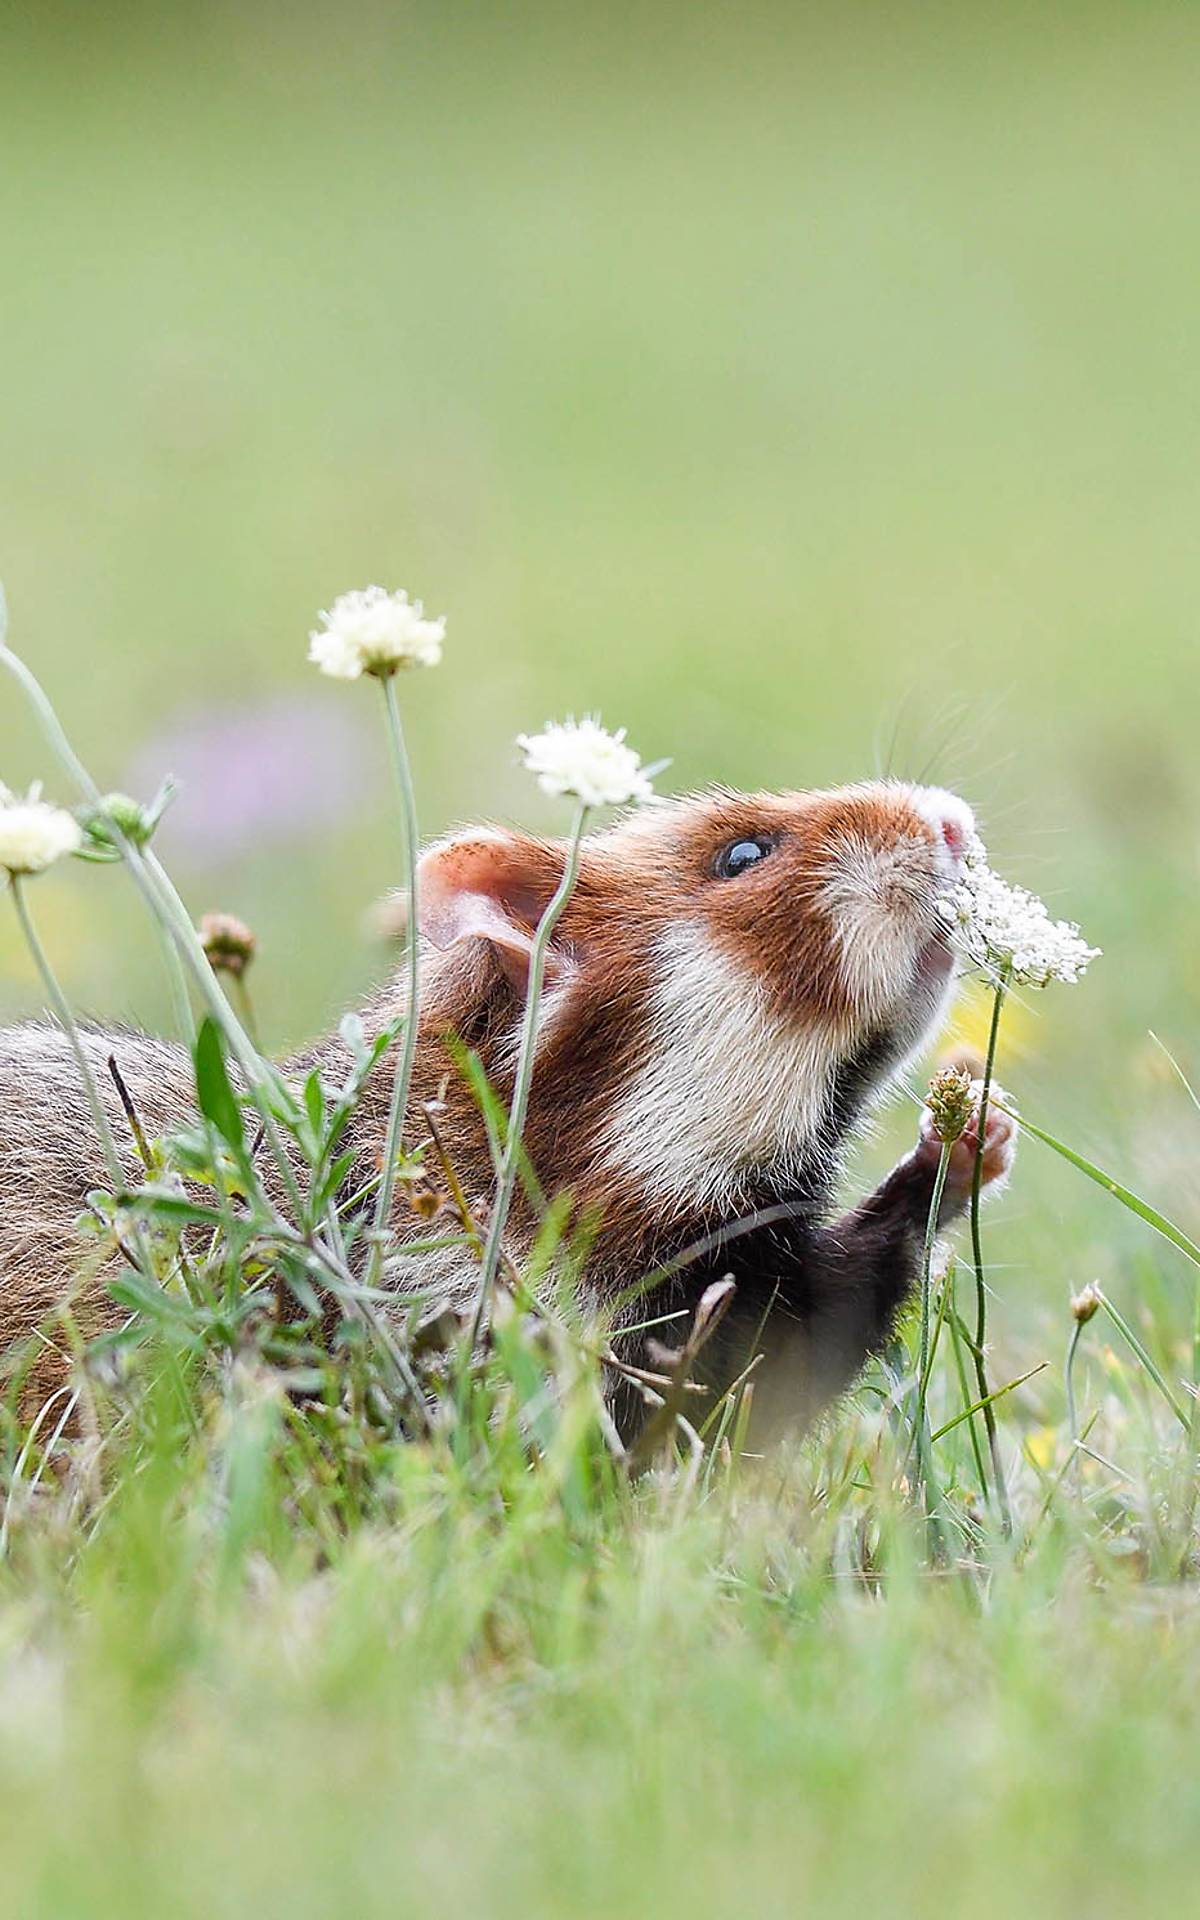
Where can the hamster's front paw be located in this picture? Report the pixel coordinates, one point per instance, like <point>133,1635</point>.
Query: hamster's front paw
<point>999,1146</point>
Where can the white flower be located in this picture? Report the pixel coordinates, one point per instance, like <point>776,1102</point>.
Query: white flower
<point>1000,926</point>
<point>579,757</point>
<point>373,631</point>
<point>33,834</point>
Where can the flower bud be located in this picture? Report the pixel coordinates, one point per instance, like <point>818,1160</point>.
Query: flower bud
<point>228,943</point>
<point>951,1103</point>
<point>1084,1305</point>
<point>127,814</point>
<point>118,816</point>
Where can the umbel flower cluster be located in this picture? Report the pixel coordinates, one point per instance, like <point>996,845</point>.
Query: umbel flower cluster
<point>1005,929</point>
<point>34,834</point>
<point>372,631</point>
<point>581,759</point>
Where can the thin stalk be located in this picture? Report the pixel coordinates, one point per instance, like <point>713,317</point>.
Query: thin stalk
<point>939,1323</point>
<point>931,1227</point>
<point>165,906</point>
<point>934,1534</point>
<point>1193,1446</point>
<point>245,1010</point>
<point>1145,1360</point>
<point>1077,1447</point>
<point>985,1393</point>
<point>925,1472</point>
<point>1195,1361</point>
<point>180,999</point>
<point>148,874</point>
<point>1069,1371</point>
<point>967,1412</point>
<point>66,1020</point>
<point>71,1395</point>
<point>163,898</point>
<point>398,1107</point>
<point>958,1340</point>
<point>520,1099</point>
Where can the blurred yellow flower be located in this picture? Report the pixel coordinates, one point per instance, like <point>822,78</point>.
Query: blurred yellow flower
<point>1041,1446</point>
<point>971,1018</point>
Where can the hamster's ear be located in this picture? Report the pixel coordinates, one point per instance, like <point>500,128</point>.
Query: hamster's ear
<point>491,886</point>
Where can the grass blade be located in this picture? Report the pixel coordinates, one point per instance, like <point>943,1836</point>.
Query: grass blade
<point>1142,1208</point>
<point>977,1406</point>
<point>1140,1353</point>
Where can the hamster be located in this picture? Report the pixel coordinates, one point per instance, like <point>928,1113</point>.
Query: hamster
<point>735,980</point>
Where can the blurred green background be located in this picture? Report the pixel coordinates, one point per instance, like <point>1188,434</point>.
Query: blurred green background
<point>810,390</point>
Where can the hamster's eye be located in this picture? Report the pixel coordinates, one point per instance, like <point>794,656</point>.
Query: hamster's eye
<point>740,854</point>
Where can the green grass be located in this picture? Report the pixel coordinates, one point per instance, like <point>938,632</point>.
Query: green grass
<point>807,393</point>
<point>512,1711</point>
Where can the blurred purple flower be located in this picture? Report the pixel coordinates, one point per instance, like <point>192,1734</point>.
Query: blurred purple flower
<point>252,777</point>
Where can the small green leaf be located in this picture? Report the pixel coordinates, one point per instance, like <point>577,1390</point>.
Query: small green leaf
<point>335,1176</point>
<point>218,1102</point>
<point>165,1205</point>
<point>131,1291</point>
<point>314,1102</point>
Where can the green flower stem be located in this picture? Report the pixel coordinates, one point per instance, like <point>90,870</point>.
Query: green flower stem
<point>184,1022</point>
<point>149,876</point>
<point>1194,1433</point>
<point>520,1100</point>
<point>66,1020</point>
<point>926,1477</point>
<point>1072,1344</point>
<point>939,1323</point>
<point>924,1357</point>
<point>402,1083</point>
<point>163,898</point>
<point>245,1009</point>
<point>959,1338</point>
<point>985,1395</point>
<point>165,905</point>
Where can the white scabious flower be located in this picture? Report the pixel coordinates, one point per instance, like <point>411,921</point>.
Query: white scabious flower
<point>1004,927</point>
<point>581,758</point>
<point>372,631</point>
<point>33,834</point>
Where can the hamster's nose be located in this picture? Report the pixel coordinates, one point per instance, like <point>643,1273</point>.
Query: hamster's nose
<point>951,819</point>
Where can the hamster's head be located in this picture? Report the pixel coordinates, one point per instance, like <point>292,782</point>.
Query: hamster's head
<point>733,978</point>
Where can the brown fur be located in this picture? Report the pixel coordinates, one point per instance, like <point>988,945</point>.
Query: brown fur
<point>638,884</point>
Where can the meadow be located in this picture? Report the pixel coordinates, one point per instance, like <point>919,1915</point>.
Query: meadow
<point>813,395</point>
